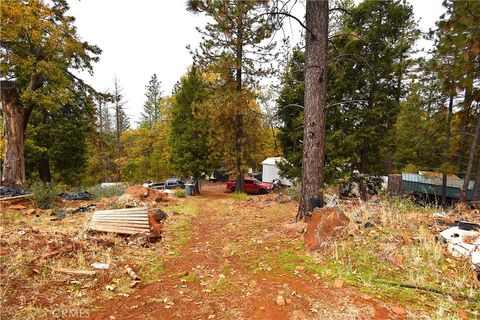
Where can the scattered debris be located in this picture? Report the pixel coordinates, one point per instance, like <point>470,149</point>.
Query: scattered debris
<point>100,266</point>
<point>64,213</point>
<point>463,241</point>
<point>131,273</point>
<point>75,195</point>
<point>11,193</point>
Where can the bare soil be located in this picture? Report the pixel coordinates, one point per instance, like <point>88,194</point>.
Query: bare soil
<point>222,285</point>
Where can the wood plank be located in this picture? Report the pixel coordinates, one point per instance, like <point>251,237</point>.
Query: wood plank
<point>16,197</point>
<point>75,271</point>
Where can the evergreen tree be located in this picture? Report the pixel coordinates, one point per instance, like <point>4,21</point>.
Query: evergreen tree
<point>39,49</point>
<point>290,113</point>
<point>234,41</point>
<point>190,154</point>
<point>152,112</point>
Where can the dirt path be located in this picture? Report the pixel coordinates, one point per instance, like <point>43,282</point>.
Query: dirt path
<point>233,265</point>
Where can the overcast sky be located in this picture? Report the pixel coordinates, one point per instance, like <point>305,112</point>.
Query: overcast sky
<point>142,37</point>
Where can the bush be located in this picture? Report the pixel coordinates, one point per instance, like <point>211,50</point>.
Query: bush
<point>239,196</point>
<point>44,194</point>
<point>179,193</point>
<point>98,192</point>
<point>294,192</point>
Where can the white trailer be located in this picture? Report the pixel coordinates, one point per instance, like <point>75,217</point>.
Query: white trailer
<point>271,171</point>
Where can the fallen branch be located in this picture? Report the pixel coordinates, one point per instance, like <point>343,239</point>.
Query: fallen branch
<point>16,197</point>
<point>76,272</point>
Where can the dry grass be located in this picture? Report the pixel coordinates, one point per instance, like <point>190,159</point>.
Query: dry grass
<point>30,286</point>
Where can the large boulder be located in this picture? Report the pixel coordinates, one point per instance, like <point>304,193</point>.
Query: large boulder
<point>324,225</point>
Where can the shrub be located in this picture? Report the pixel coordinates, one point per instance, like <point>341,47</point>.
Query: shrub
<point>98,192</point>
<point>239,196</point>
<point>294,192</point>
<point>179,193</point>
<point>44,194</point>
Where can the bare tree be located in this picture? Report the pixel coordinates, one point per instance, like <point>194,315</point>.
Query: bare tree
<point>121,120</point>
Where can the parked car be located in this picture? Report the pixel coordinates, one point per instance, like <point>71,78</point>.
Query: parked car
<point>154,185</point>
<point>173,183</point>
<point>252,185</point>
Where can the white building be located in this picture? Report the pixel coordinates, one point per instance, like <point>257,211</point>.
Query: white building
<point>271,171</point>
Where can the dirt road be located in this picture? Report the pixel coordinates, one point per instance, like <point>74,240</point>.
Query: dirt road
<point>235,260</point>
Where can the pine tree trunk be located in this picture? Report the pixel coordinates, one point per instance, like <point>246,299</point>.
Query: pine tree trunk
<point>14,119</point>
<point>315,102</point>
<point>471,157</point>
<point>447,145</point>
<point>44,169</point>
<point>476,186</point>
<point>196,185</point>
<point>239,130</point>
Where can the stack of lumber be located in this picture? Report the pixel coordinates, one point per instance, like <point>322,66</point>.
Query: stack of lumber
<point>124,221</point>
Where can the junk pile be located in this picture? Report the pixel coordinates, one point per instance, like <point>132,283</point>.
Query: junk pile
<point>64,213</point>
<point>146,194</point>
<point>75,195</point>
<point>463,241</point>
<point>12,192</point>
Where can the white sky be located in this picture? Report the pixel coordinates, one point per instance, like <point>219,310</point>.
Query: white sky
<point>142,37</point>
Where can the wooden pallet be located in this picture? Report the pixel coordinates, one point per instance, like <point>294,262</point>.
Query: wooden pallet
<point>123,221</point>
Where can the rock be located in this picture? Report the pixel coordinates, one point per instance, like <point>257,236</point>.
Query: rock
<point>398,310</point>
<point>288,301</point>
<point>30,211</point>
<point>17,207</point>
<point>280,301</point>
<point>324,225</point>
<point>407,240</point>
<point>300,268</point>
<point>462,314</point>
<point>338,283</point>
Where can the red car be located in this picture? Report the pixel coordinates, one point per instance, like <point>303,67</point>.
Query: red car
<point>252,185</point>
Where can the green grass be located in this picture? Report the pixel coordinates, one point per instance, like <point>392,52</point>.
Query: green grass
<point>222,286</point>
<point>359,267</point>
<point>239,196</point>
<point>183,229</point>
<point>179,193</point>
<point>98,192</point>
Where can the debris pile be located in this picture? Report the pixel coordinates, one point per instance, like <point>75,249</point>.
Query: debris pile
<point>463,242</point>
<point>75,195</point>
<point>147,194</point>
